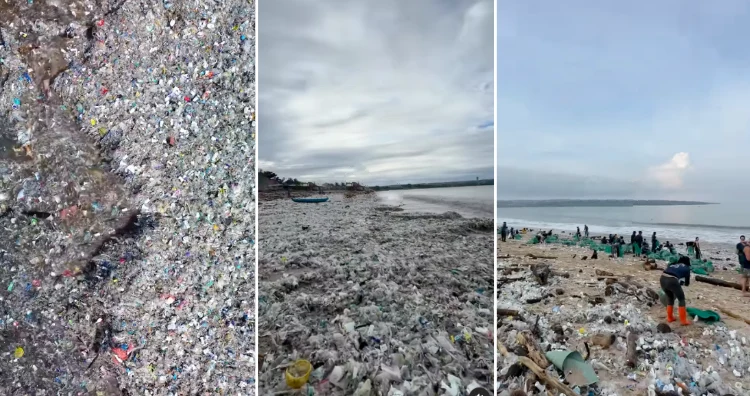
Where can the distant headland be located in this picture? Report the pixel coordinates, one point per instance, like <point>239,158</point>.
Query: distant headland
<point>568,203</point>
<point>467,183</point>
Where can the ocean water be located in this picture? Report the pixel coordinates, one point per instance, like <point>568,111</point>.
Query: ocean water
<point>473,201</point>
<point>720,223</point>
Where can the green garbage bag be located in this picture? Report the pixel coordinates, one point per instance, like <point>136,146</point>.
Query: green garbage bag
<point>699,271</point>
<point>704,315</point>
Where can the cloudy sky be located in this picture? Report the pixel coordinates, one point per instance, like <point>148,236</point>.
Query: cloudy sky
<point>381,92</point>
<point>607,99</point>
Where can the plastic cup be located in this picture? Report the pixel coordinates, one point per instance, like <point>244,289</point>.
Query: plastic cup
<point>298,373</point>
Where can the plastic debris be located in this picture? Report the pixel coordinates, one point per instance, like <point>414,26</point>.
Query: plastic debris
<point>368,295</point>
<point>94,203</point>
<point>698,359</point>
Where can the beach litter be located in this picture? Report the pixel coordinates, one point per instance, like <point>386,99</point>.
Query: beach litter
<point>125,189</point>
<point>376,300</point>
<point>605,320</point>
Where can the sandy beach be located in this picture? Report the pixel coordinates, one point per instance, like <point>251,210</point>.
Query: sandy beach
<point>585,301</point>
<point>374,298</point>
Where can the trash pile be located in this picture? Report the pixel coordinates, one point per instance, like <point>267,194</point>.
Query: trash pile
<point>127,196</point>
<point>377,300</point>
<point>595,337</point>
<point>698,266</point>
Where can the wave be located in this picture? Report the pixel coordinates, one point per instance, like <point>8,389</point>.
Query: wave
<point>688,225</point>
<point>472,205</point>
<point>467,201</point>
<point>664,231</point>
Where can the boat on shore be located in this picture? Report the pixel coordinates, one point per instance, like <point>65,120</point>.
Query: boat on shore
<point>310,200</point>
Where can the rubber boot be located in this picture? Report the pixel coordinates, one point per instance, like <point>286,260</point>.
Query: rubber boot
<point>683,316</point>
<point>670,313</point>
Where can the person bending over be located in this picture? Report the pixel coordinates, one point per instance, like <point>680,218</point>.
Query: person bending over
<point>672,279</point>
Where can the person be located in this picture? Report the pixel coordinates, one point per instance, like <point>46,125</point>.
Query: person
<point>697,249</point>
<point>743,254</point>
<point>669,246</point>
<point>542,236</point>
<point>671,281</point>
<point>504,232</point>
<point>586,230</point>
<point>639,239</point>
<point>632,238</point>
<point>578,232</point>
<point>616,246</point>
<point>653,241</point>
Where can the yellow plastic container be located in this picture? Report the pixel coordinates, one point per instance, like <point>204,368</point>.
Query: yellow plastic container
<point>298,374</point>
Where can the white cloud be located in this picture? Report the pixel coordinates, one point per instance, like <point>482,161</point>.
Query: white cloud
<point>670,174</point>
<point>376,91</point>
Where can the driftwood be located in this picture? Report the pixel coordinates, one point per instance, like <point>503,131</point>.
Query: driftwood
<point>732,314</point>
<point>603,340</point>
<point>509,270</point>
<point>631,356</point>
<point>502,281</point>
<point>540,373</point>
<point>526,340</point>
<point>507,312</point>
<point>630,287</point>
<point>718,282</point>
<point>560,274</point>
<point>534,256</point>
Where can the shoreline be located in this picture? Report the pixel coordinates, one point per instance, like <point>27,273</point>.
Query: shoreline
<point>671,232</point>
<point>364,291</point>
<point>429,201</point>
<point>722,252</point>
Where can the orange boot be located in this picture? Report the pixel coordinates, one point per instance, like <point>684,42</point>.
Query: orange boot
<point>670,313</point>
<point>683,316</point>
